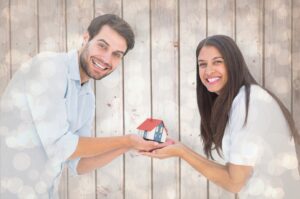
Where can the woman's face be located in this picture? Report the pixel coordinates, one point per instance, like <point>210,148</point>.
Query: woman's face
<point>212,69</point>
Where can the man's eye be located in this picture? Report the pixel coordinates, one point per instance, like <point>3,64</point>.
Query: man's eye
<point>103,46</point>
<point>118,55</point>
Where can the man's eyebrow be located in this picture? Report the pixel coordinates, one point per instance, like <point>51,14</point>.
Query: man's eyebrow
<point>104,41</point>
<point>118,51</point>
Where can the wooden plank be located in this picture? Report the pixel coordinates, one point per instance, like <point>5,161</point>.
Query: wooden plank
<point>52,35</point>
<point>52,38</point>
<point>192,13</point>
<point>137,97</point>
<point>220,13</point>
<point>296,68</point>
<point>109,116</point>
<point>23,31</point>
<point>4,45</point>
<point>277,49</point>
<point>78,16</point>
<point>164,24</point>
<point>220,17</point>
<point>249,35</point>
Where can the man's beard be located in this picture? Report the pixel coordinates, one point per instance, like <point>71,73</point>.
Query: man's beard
<point>85,66</point>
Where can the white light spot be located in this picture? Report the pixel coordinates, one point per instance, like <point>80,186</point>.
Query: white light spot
<point>11,142</point>
<point>165,83</point>
<point>33,174</point>
<point>14,185</point>
<point>21,161</point>
<point>288,161</point>
<point>48,69</point>
<point>4,130</point>
<point>41,187</point>
<point>257,187</point>
<point>27,193</point>
<point>36,89</point>
<point>137,84</point>
<point>275,168</point>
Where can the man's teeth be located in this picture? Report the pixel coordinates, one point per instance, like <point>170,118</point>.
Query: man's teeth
<point>99,65</point>
<point>210,80</point>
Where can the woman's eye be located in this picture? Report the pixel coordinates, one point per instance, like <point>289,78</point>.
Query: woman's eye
<point>218,62</point>
<point>202,65</point>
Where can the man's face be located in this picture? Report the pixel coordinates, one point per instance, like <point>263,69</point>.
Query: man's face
<point>101,55</point>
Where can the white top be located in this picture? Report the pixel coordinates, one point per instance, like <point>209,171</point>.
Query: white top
<point>43,111</point>
<point>263,143</point>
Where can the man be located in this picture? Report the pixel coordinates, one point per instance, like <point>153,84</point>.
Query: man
<point>47,113</point>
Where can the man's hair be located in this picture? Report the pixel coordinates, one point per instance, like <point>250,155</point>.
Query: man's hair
<point>114,22</point>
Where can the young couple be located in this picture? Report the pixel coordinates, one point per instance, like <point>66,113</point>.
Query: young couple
<point>48,108</point>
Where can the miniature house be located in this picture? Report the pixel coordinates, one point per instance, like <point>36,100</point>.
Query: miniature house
<point>153,129</point>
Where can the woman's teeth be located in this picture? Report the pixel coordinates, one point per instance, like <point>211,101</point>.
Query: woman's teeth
<point>214,79</point>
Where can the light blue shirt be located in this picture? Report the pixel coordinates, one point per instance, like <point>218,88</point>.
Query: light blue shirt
<point>43,111</point>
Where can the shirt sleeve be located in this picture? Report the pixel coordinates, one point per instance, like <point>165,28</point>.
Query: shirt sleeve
<point>246,140</point>
<point>45,87</point>
<point>84,131</point>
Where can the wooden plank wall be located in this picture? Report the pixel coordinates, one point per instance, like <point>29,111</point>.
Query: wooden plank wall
<point>157,78</point>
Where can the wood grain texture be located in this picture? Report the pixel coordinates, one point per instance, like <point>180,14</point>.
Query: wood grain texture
<point>4,45</point>
<point>24,33</point>
<point>109,116</point>
<point>249,35</point>
<point>137,97</point>
<point>192,30</point>
<point>221,20</point>
<point>296,68</point>
<point>220,17</point>
<point>52,37</point>
<point>157,77</point>
<point>278,49</point>
<point>164,26</point>
<point>78,16</point>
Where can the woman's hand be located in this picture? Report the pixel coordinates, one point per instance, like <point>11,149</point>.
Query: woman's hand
<point>173,149</point>
<point>138,143</point>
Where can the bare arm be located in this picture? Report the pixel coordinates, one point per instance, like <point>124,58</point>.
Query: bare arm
<point>88,164</point>
<point>231,177</point>
<point>89,147</point>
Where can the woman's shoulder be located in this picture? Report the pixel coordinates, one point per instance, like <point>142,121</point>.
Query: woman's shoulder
<point>259,99</point>
<point>257,95</point>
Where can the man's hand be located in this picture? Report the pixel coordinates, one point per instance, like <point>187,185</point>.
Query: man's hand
<point>138,143</point>
<point>171,150</point>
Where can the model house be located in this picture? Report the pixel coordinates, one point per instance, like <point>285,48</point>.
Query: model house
<point>153,129</point>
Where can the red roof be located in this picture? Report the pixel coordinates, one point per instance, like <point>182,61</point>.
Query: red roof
<point>149,124</point>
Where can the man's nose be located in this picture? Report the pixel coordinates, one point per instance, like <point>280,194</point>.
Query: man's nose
<point>107,57</point>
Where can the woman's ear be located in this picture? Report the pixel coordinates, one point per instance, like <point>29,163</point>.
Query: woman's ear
<point>86,38</point>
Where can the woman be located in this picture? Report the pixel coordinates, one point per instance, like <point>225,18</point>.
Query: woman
<point>246,124</point>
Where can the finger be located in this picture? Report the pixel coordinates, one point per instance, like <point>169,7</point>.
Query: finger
<point>170,140</point>
<point>152,155</point>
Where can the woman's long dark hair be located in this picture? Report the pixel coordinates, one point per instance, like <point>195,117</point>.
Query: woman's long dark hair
<point>214,109</point>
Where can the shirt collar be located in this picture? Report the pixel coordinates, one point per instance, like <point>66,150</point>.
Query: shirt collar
<point>74,73</point>
<point>73,66</point>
